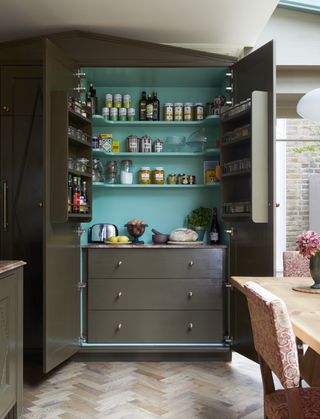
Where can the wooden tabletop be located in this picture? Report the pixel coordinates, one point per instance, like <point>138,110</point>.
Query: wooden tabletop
<point>303,308</point>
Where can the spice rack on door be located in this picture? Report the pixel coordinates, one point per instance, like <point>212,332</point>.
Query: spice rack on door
<point>64,146</point>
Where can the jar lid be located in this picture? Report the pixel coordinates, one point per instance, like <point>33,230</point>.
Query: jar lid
<point>144,168</point>
<point>188,104</point>
<point>168,104</point>
<point>178,104</point>
<point>198,104</point>
<point>158,168</point>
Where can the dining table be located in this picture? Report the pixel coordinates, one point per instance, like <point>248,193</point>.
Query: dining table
<point>304,311</point>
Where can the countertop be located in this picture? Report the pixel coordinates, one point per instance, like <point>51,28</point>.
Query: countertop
<point>153,246</point>
<point>9,265</point>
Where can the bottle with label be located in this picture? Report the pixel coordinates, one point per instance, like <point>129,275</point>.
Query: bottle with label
<point>83,204</point>
<point>69,193</point>
<point>143,107</point>
<point>156,107</point>
<point>149,111</point>
<point>94,99</point>
<point>215,230</point>
<point>76,195</point>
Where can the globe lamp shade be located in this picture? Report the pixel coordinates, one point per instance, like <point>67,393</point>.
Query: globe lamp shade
<point>309,106</point>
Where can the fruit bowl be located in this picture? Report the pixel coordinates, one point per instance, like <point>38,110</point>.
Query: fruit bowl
<point>136,228</point>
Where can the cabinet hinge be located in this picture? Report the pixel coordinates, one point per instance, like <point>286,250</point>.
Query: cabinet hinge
<point>82,339</point>
<point>228,339</point>
<point>82,285</point>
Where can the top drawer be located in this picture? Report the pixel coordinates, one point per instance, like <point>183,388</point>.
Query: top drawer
<point>156,263</point>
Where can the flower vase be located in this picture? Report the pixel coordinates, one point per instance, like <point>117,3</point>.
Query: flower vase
<point>315,270</point>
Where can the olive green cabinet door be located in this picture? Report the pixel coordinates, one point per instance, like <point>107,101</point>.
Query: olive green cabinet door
<point>251,244</point>
<point>61,314</point>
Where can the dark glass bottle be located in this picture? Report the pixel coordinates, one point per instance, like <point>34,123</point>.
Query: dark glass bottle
<point>70,193</point>
<point>83,207</point>
<point>94,99</point>
<point>156,107</point>
<point>215,230</point>
<point>143,107</point>
<point>149,112</point>
<point>76,195</point>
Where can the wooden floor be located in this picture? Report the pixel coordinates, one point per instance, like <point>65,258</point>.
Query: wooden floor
<point>138,390</point>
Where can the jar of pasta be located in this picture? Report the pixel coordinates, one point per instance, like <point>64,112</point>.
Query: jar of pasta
<point>144,175</point>
<point>158,176</point>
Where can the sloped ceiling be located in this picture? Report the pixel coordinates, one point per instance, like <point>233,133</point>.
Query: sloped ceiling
<point>213,25</point>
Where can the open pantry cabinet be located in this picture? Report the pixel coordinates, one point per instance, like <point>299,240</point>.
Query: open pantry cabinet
<point>166,206</point>
<point>176,74</point>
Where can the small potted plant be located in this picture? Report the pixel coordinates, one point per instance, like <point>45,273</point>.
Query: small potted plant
<point>308,245</point>
<point>198,220</point>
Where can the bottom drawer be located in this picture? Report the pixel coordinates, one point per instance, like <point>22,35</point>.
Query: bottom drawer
<point>155,326</point>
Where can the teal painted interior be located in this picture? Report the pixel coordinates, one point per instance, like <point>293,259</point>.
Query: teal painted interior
<point>162,208</point>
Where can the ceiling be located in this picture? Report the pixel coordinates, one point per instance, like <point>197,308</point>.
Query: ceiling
<point>221,26</point>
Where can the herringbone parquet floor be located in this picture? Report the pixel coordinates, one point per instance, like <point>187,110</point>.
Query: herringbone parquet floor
<point>147,390</point>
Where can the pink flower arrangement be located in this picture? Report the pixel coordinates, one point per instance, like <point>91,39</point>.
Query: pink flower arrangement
<point>308,244</point>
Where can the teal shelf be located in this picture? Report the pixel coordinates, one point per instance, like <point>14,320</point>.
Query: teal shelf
<point>165,186</point>
<point>98,121</point>
<point>208,152</point>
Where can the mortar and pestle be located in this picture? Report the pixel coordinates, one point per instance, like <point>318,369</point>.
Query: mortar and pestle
<point>159,238</point>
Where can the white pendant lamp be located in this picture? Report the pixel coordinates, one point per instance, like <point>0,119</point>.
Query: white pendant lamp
<point>309,106</point>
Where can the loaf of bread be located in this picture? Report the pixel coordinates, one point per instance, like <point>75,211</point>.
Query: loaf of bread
<point>183,235</point>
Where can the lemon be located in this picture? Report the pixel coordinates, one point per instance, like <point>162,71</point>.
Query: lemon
<point>123,239</point>
<point>113,239</point>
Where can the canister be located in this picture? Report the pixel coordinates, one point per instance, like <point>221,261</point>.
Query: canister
<point>133,144</point>
<point>122,114</point>
<point>158,146</point>
<point>117,100</point>
<point>199,111</point>
<point>131,114</point>
<point>106,113</point>
<point>178,111</point>
<point>168,111</point>
<point>187,111</point>
<point>145,144</point>
<point>113,114</point>
<point>127,101</point>
<point>108,100</point>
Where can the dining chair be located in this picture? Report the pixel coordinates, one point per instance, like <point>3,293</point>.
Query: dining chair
<point>295,264</point>
<point>274,341</point>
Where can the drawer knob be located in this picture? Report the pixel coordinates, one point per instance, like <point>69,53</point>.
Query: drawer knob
<point>190,326</point>
<point>119,263</point>
<point>119,294</point>
<point>191,263</point>
<point>190,294</point>
<point>119,326</point>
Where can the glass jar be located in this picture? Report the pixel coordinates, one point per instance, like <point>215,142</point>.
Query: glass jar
<point>198,111</point>
<point>144,175</point>
<point>127,101</point>
<point>168,111</point>
<point>145,144</point>
<point>82,164</point>
<point>122,114</point>
<point>178,111</point>
<point>126,175</point>
<point>97,171</point>
<point>117,100</point>
<point>70,163</point>
<point>188,111</point>
<point>112,172</point>
<point>158,146</point>
<point>158,176</point>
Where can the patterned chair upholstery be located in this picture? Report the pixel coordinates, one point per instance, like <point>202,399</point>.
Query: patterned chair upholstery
<point>274,341</point>
<point>295,264</point>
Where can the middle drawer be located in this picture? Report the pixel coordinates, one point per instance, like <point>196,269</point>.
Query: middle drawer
<point>155,294</point>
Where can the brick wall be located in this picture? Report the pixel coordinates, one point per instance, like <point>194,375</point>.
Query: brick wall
<point>303,159</point>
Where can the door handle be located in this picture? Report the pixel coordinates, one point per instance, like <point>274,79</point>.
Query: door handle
<point>230,231</point>
<point>5,205</point>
